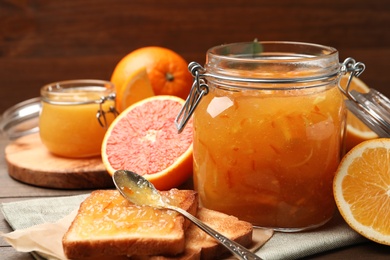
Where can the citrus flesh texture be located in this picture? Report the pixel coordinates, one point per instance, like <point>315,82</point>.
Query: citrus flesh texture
<point>136,88</point>
<point>362,189</point>
<point>144,139</point>
<point>357,131</point>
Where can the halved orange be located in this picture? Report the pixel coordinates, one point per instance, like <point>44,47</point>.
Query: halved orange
<point>136,88</point>
<point>144,139</point>
<point>357,131</point>
<point>362,189</point>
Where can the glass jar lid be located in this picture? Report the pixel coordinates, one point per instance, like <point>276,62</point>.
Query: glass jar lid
<point>21,119</point>
<point>372,108</point>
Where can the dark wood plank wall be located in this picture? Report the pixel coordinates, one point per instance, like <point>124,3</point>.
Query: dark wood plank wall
<point>48,40</point>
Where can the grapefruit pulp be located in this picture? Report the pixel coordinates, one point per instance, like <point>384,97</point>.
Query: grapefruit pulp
<point>144,139</point>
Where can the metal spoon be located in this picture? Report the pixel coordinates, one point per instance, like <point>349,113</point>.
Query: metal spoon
<point>140,191</point>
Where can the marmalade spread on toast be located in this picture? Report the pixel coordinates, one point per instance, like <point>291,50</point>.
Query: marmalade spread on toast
<point>106,215</point>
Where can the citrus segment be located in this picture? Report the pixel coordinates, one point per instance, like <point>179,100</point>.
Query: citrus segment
<point>136,88</point>
<point>362,189</point>
<point>167,71</point>
<point>357,131</point>
<point>144,139</point>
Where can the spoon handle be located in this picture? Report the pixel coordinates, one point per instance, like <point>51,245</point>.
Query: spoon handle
<point>235,248</point>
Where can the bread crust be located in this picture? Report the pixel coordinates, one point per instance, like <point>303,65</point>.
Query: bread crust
<point>229,226</point>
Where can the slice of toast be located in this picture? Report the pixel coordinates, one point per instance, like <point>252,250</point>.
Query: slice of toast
<point>229,226</point>
<point>108,225</point>
<point>200,245</point>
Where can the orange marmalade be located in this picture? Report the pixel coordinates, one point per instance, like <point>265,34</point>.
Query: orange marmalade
<point>68,122</point>
<point>107,215</point>
<point>268,134</point>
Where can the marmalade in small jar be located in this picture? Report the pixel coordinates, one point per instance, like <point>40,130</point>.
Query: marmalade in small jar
<point>75,115</point>
<point>268,134</point>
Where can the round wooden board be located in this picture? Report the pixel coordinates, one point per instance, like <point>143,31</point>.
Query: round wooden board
<point>30,162</point>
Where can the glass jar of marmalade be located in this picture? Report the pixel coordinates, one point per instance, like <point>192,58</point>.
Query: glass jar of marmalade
<point>75,115</point>
<point>268,132</point>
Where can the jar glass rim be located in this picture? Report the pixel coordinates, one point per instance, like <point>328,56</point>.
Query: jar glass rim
<point>286,51</point>
<point>78,91</point>
<point>261,61</point>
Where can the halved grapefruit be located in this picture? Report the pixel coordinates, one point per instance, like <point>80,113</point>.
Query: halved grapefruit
<point>144,139</point>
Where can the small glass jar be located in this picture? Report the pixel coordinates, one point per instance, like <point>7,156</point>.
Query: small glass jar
<point>75,115</point>
<point>268,132</point>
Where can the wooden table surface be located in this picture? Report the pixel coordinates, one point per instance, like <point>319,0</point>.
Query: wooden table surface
<point>12,190</point>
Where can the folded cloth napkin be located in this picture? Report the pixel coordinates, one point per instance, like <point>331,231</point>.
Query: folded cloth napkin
<point>335,234</point>
<point>41,216</point>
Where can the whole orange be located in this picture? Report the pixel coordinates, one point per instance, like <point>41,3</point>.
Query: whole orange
<point>167,71</point>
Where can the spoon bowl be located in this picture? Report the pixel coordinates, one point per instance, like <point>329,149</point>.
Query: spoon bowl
<point>140,191</point>
<point>137,189</point>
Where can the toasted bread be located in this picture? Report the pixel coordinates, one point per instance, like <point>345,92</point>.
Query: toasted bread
<point>200,245</point>
<point>229,226</point>
<point>108,225</point>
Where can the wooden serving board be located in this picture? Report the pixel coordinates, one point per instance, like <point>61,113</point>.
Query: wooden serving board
<point>30,162</point>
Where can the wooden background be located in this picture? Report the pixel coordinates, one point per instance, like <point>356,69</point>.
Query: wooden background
<point>42,41</point>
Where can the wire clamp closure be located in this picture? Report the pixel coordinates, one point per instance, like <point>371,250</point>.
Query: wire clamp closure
<point>101,114</point>
<point>355,69</point>
<point>198,90</point>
